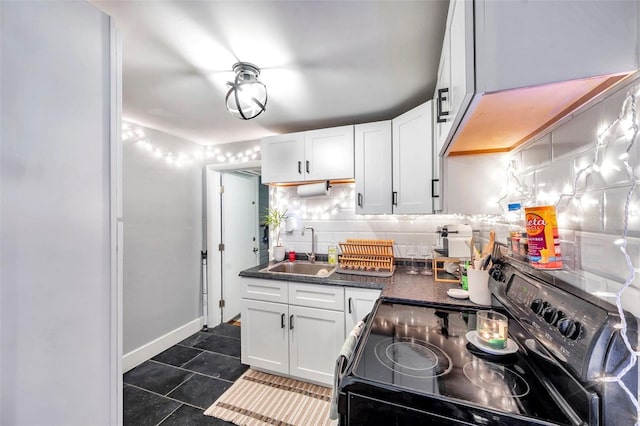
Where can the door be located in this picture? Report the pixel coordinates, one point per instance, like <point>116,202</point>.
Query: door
<point>373,168</point>
<point>239,231</point>
<point>265,335</point>
<point>316,336</point>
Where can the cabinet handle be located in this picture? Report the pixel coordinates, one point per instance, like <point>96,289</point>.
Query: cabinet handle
<point>299,167</point>
<point>442,96</point>
<point>290,322</point>
<point>359,199</point>
<point>433,188</point>
<point>350,306</point>
<point>282,321</point>
<point>394,198</point>
<point>307,166</point>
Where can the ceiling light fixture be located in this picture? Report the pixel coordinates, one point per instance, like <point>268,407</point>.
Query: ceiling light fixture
<point>247,96</point>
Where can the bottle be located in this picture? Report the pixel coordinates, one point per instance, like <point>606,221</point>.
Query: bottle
<point>292,256</point>
<point>464,280</point>
<point>515,217</point>
<point>332,255</point>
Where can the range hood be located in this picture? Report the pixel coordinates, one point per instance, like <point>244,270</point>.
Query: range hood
<point>502,121</point>
<point>510,70</point>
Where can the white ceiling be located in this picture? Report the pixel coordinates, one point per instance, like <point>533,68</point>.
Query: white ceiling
<point>325,63</point>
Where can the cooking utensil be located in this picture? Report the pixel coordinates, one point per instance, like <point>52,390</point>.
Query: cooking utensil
<point>488,248</point>
<point>485,263</point>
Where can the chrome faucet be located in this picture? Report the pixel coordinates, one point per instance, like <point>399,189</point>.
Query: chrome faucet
<point>310,256</point>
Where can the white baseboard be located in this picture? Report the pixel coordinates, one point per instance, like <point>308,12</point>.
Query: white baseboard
<point>162,343</point>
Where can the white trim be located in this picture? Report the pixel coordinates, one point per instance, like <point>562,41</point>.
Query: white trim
<point>162,343</point>
<point>116,225</point>
<point>214,257</point>
<point>233,167</point>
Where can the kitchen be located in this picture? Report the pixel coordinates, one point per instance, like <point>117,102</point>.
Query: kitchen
<point>590,256</point>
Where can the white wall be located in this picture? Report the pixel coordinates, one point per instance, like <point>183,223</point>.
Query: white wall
<point>162,242</point>
<point>56,316</point>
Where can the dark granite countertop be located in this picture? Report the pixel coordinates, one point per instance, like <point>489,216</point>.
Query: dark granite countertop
<point>400,286</point>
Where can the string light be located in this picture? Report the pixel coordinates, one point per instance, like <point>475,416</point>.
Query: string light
<point>513,184</point>
<point>624,127</point>
<point>136,136</point>
<point>626,124</point>
<point>343,198</point>
<point>244,156</point>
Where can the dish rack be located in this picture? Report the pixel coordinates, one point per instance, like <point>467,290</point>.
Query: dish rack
<point>367,257</point>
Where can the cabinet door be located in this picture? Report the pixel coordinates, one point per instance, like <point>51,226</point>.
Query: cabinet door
<point>358,303</point>
<point>412,161</point>
<point>265,335</point>
<point>283,158</point>
<point>328,153</point>
<point>461,56</point>
<point>373,168</point>
<point>442,97</point>
<point>316,336</point>
<point>455,73</point>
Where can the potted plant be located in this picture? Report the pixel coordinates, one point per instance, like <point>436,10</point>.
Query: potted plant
<point>274,219</point>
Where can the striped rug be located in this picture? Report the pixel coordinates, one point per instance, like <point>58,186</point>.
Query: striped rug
<point>258,398</point>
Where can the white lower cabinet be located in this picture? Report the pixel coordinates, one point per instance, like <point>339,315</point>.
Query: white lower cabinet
<point>358,303</point>
<point>315,339</point>
<point>267,345</point>
<point>298,337</point>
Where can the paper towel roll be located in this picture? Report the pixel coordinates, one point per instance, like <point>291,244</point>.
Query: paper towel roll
<point>314,189</point>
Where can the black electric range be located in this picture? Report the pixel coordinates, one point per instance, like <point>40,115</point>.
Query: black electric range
<point>413,363</point>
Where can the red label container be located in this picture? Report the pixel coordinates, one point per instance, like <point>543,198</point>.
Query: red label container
<point>544,242</point>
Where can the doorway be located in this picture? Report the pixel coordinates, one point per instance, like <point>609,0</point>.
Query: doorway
<point>234,238</point>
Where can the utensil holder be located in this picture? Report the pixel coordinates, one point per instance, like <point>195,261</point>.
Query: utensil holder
<point>478,281</point>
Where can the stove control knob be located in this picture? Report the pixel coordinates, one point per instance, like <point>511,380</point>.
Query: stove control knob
<point>496,273</point>
<point>536,306</point>
<point>549,314</point>
<point>569,328</point>
<point>556,316</point>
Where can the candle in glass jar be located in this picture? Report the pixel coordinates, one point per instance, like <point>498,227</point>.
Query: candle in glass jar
<point>492,329</point>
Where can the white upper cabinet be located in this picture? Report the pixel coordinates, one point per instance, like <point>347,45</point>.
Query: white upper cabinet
<point>282,158</point>
<point>322,154</point>
<point>510,69</point>
<point>394,164</point>
<point>373,167</point>
<point>329,153</point>
<point>455,85</point>
<point>412,161</point>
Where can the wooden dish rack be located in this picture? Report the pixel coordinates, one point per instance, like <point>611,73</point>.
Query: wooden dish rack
<point>367,257</point>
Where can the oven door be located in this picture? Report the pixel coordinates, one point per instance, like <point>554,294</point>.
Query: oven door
<point>366,410</point>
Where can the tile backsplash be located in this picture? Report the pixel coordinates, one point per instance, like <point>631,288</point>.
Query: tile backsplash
<point>578,167</point>
<point>334,220</point>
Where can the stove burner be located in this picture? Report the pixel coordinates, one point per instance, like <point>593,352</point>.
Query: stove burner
<point>413,357</point>
<point>496,379</point>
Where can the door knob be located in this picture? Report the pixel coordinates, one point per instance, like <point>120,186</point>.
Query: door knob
<point>255,250</point>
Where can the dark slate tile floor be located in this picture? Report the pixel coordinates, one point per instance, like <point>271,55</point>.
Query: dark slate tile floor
<point>175,387</point>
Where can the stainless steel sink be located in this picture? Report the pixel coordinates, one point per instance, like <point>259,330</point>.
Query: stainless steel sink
<point>302,268</point>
